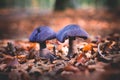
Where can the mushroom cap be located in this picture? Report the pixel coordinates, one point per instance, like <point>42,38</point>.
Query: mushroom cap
<point>42,34</point>
<point>71,30</point>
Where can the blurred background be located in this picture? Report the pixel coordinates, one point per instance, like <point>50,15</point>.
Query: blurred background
<point>18,18</point>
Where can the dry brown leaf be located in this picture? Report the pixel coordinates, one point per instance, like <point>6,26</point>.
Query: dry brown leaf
<point>6,58</point>
<point>13,63</point>
<point>80,57</point>
<point>71,68</point>
<point>87,47</point>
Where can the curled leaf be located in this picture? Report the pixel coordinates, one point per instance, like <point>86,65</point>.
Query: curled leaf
<point>101,53</point>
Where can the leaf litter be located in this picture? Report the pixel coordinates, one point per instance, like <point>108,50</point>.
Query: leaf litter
<point>19,60</point>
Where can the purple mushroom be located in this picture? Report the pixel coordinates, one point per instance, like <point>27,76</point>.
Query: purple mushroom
<point>71,31</point>
<point>40,35</point>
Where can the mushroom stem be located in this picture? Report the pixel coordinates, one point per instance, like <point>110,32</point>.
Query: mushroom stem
<point>71,47</point>
<point>45,53</point>
<point>42,45</point>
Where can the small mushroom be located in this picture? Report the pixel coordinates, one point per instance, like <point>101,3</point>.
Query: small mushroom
<point>40,35</point>
<point>71,31</point>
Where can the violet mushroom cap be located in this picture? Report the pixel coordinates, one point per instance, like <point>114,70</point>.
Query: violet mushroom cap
<point>71,31</point>
<point>40,35</point>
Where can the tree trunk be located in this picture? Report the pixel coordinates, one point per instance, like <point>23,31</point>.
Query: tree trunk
<point>112,4</point>
<point>63,4</point>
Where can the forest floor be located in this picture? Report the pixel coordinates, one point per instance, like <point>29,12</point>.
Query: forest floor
<point>20,23</point>
<point>97,58</point>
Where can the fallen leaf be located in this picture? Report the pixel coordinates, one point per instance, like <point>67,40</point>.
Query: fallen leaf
<point>87,47</point>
